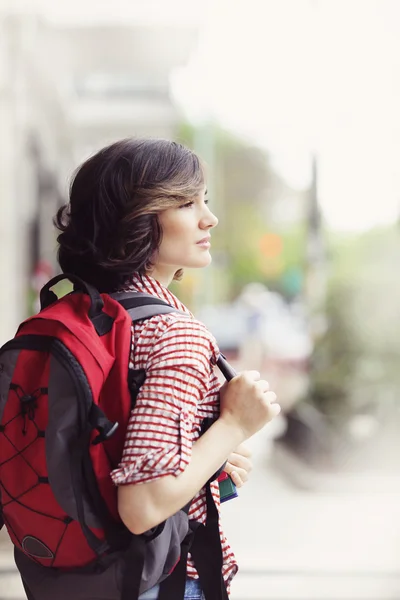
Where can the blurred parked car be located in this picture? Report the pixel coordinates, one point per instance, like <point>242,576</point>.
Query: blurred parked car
<point>261,330</point>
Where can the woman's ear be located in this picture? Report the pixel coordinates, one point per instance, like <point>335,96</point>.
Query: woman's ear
<point>178,275</point>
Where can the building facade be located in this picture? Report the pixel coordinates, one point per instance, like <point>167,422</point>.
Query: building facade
<point>66,89</point>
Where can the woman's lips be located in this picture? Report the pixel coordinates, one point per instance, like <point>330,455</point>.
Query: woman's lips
<point>204,243</point>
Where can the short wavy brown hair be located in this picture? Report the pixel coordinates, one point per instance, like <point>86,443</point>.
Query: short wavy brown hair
<point>109,229</point>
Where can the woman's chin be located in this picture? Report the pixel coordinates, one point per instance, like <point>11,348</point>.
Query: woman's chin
<point>205,261</point>
<point>198,262</point>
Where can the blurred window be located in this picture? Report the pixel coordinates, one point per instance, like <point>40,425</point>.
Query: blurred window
<point>119,85</point>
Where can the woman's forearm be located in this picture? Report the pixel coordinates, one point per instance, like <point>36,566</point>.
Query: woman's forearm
<point>145,505</point>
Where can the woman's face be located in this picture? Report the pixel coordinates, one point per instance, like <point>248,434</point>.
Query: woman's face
<point>185,238</point>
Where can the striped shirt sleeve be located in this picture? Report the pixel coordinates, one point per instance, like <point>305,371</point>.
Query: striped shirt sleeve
<point>163,423</point>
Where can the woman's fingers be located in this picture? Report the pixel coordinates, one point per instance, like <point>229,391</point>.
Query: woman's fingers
<point>239,476</point>
<point>239,465</point>
<point>240,462</point>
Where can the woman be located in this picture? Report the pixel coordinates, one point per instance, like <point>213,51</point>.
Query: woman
<point>137,216</point>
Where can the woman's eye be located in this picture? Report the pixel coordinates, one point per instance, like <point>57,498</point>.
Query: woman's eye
<point>187,205</point>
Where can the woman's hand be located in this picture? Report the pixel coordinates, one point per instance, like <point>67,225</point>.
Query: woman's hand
<point>239,465</point>
<point>247,404</point>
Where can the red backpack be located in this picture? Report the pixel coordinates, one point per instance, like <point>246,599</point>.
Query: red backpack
<point>66,394</point>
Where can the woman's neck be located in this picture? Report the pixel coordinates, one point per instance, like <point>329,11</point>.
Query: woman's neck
<point>163,276</point>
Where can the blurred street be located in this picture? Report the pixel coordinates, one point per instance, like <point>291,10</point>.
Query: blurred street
<point>341,542</point>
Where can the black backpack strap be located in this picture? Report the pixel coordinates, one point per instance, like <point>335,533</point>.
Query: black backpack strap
<point>102,322</point>
<point>78,480</point>
<point>134,563</point>
<point>206,551</point>
<point>144,306</point>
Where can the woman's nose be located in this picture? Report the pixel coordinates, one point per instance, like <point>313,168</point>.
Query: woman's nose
<point>209,220</point>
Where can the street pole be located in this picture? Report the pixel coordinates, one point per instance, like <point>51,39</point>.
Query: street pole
<point>315,258</point>
<point>315,251</point>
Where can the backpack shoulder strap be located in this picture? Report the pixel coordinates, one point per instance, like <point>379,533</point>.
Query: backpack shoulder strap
<point>143,306</point>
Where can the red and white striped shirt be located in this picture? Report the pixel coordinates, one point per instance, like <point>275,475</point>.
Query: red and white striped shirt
<point>180,390</point>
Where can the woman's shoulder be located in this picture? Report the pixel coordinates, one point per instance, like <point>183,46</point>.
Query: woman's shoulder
<point>182,326</point>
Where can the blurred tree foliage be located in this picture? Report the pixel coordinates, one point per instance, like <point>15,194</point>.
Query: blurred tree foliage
<point>335,356</point>
<point>355,367</point>
<point>243,184</point>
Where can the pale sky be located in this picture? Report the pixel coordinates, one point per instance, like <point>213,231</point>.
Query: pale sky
<point>298,75</point>
<point>295,76</point>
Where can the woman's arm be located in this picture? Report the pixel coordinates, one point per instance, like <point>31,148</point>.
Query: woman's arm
<point>246,406</point>
<point>145,505</point>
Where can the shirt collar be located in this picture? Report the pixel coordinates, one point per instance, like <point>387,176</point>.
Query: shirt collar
<point>145,283</point>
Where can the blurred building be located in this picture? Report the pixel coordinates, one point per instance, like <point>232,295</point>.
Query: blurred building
<point>67,88</point>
